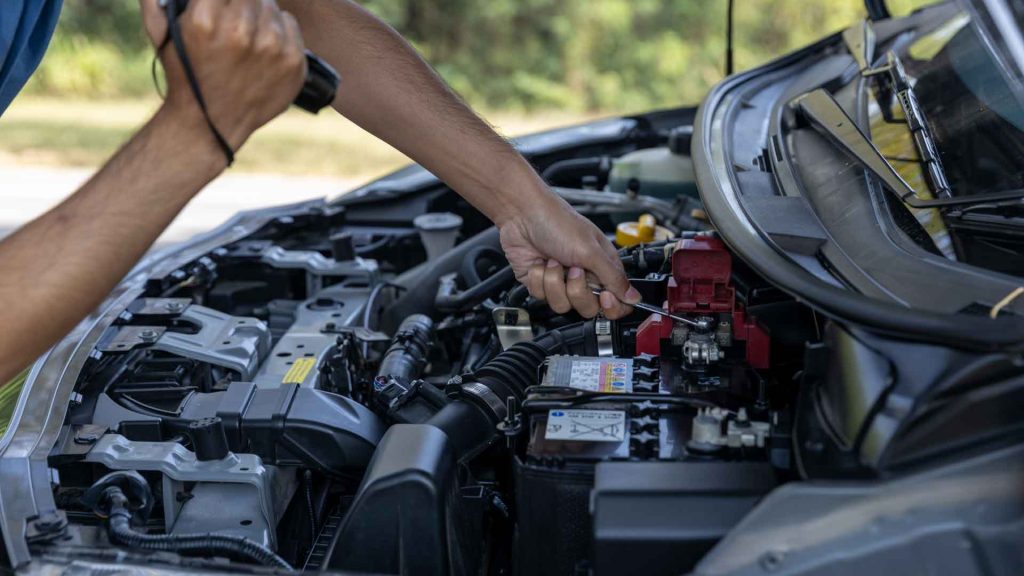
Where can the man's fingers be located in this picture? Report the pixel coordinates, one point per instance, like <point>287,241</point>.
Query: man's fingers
<point>202,16</point>
<point>613,279</point>
<point>580,296</point>
<point>295,46</point>
<point>240,19</point>
<point>154,20</point>
<point>612,307</point>
<point>271,36</point>
<point>554,287</point>
<point>535,281</point>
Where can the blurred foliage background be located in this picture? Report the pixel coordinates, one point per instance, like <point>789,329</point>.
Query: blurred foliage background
<point>525,64</point>
<point>583,55</point>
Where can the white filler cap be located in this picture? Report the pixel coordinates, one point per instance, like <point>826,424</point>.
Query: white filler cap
<point>438,232</point>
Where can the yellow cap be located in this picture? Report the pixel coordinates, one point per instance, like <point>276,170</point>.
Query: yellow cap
<point>645,230</point>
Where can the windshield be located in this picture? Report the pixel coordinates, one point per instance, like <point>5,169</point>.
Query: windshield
<point>969,91</point>
<point>972,105</point>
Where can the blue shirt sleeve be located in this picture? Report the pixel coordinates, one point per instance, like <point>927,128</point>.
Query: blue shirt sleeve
<point>25,30</point>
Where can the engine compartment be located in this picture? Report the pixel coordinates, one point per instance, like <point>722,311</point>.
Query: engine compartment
<point>325,392</point>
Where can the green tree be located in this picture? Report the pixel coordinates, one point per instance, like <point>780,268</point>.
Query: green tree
<point>593,55</point>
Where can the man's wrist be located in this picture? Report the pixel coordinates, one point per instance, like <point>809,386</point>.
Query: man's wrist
<point>183,128</point>
<point>522,192</point>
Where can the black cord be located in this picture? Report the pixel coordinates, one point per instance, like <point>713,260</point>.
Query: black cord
<point>174,32</point>
<point>120,531</point>
<point>313,520</point>
<point>728,39</point>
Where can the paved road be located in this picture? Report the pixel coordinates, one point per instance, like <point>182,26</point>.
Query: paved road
<point>28,191</point>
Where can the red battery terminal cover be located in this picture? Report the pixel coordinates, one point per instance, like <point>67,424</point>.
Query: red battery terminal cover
<point>701,284</point>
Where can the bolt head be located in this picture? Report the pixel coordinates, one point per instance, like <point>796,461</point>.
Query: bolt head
<point>86,438</point>
<point>49,521</point>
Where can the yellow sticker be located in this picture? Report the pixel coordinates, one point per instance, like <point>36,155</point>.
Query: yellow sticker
<point>299,370</point>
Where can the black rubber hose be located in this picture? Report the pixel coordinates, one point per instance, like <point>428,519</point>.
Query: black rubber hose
<point>121,532</point>
<point>517,296</point>
<point>475,294</point>
<point>407,355</point>
<point>421,281</point>
<point>570,172</point>
<point>470,424</point>
<point>469,269</point>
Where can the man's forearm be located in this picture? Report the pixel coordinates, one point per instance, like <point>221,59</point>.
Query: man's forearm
<point>391,92</point>
<point>58,268</point>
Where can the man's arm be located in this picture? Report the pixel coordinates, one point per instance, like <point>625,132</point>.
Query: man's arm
<point>58,268</point>
<point>391,92</point>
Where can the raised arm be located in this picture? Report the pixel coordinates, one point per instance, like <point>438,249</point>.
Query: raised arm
<point>58,268</point>
<point>391,92</point>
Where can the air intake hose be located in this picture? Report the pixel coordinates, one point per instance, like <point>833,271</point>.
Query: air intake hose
<point>407,355</point>
<point>479,400</point>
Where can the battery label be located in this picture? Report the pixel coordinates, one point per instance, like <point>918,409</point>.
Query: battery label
<point>586,425</point>
<point>603,375</point>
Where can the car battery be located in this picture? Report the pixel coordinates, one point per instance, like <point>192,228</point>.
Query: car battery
<point>604,428</point>
<point>565,444</point>
<point>593,410</point>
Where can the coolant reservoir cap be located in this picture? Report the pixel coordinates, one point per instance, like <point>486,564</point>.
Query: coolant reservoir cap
<point>437,222</point>
<point>644,230</point>
<point>438,232</point>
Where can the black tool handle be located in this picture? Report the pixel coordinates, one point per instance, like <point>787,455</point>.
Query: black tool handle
<point>321,79</point>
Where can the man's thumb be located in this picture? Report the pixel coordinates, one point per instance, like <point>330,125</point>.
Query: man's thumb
<point>613,278</point>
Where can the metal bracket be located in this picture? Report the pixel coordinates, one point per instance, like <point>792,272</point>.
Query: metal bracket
<point>513,326</point>
<point>180,465</point>
<point>160,307</point>
<point>130,337</point>
<point>317,266</point>
<point>233,342</point>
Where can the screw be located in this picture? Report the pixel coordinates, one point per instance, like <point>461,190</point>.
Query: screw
<point>49,521</point>
<point>148,335</point>
<point>454,387</point>
<point>174,306</point>
<point>771,560</point>
<point>86,438</point>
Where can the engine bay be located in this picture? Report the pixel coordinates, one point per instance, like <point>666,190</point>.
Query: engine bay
<point>368,393</point>
<point>360,385</point>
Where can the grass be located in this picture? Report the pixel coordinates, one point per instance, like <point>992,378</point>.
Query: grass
<point>84,133</point>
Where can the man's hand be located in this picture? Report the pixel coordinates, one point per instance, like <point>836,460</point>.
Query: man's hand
<point>392,93</point>
<point>249,61</point>
<point>548,237</point>
<point>248,57</point>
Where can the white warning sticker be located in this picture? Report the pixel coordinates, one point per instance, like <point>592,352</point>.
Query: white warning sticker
<point>613,376</point>
<point>586,425</point>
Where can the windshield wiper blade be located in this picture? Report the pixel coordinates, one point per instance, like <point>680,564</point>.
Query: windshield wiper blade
<point>899,85</point>
<point>829,118</point>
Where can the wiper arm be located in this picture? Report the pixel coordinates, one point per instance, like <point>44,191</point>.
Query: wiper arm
<point>860,41</point>
<point>829,118</point>
<point>924,142</point>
